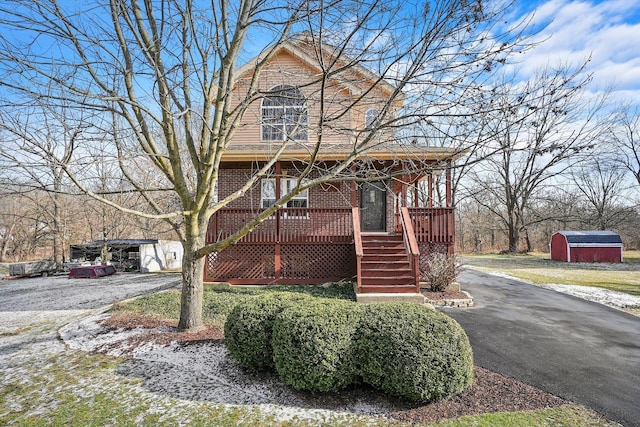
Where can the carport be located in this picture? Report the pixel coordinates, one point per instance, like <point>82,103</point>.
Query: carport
<point>144,255</point>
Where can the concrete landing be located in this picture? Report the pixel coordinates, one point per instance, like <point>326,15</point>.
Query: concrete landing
<point>389,297</point>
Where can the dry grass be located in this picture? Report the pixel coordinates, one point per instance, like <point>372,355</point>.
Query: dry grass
<point>538,268</point>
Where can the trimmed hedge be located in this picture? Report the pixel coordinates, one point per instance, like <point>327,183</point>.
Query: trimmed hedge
<point>313,345</point>
<point>249,326</point>
<point>412,351</point>
<point>324,345</point>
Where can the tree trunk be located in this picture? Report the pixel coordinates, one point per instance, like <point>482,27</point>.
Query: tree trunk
<point>514,237</point>
<point>192,283</point>
<point>58,235</point>
<point>5,243</point>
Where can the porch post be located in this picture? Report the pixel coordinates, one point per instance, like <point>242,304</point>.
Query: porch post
<point>430,194</point>
<point>403,189</point>
<point>451,225</point>
<point>449,192</point>
<point>278,214</point>
<point>354,191</point>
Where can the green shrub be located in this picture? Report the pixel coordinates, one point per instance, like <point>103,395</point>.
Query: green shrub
<point>248,328</point>
<point>412,351</point>
<point>313,345</point>
<point>217,306</point>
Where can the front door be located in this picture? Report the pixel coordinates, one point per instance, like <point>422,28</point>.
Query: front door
<point>373,206</point>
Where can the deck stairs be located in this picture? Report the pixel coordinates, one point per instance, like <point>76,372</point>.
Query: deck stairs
<point>385,265</point>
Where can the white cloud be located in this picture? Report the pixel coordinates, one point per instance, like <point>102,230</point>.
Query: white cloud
<point>605,31</point>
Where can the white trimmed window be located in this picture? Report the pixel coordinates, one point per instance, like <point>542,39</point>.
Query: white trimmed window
<point>284,115</point>
<point>300,200</point>
<point>370,118</point>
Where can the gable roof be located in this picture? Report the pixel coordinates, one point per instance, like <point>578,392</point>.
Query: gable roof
<point>300,44</point>
<point>596,237</point>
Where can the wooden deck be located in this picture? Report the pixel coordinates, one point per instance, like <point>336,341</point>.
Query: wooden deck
<point>316,245</point>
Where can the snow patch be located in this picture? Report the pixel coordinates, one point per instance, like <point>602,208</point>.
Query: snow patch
<point>603,296</point>
<point>201,371</point>
<point>607,297</point>
<point>12,322</point>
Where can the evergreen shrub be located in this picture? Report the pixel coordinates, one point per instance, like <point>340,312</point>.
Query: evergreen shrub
<point>248,328</point>
<point>412,351</point>
<point>313,344</point>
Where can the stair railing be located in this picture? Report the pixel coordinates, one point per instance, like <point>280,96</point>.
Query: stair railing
<point>357,240</point>
<point>411,245</point>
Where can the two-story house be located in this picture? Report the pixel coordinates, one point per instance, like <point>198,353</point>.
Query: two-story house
<point>376,232</point>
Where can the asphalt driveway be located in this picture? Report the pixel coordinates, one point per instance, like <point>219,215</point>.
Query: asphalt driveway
<point>581,351</point>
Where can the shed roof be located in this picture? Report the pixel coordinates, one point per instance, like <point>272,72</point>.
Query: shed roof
<point>604,237</point>
<point>117,242</point>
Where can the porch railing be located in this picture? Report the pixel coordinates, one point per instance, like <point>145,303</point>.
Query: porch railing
<point>430,225</point>
<point>411,245</point>
<point>357,240</point>
<point>287,225</point>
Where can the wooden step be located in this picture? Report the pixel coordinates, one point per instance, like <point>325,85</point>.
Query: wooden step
<point>385,264</point>
<point>385,267</point>
<point>387,281</point>
<point>383,251</point>
<point>387,273</point>
<point>380,236</point>
<point>401,288</point>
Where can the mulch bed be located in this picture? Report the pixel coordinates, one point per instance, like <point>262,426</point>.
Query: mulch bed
<point>446,294</point>
<point>490,391</point>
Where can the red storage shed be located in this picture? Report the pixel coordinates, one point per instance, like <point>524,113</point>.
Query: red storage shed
<point>586,246</point>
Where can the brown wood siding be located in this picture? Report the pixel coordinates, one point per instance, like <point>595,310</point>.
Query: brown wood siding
<point>285,69</point>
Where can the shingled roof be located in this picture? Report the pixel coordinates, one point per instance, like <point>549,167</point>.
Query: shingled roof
<point>596,237</point>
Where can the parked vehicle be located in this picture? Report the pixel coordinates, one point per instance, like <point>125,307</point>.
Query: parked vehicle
<point>29,269</point>
<point>89,271</point>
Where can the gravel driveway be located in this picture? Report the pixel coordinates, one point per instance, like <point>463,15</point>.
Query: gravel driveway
<point>33,300</point>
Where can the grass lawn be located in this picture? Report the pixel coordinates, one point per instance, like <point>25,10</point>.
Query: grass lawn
<point>78,389</point>
<point>219,301</point>
<point>538,268</point>
<point>47,384</point>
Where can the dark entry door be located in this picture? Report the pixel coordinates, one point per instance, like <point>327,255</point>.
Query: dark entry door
<point>373,206</point>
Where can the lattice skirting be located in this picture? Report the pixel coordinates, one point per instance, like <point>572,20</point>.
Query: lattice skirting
<point>241,261</point>
<point>315,262</point>
<point>299,263</point>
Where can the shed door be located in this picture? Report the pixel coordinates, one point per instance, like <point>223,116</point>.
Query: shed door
<point>373,206</point>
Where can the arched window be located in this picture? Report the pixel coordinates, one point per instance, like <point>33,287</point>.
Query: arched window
<point>284,115</point>
<point>370,118</point>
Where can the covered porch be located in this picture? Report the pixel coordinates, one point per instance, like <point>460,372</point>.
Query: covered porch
<point>307,245</point>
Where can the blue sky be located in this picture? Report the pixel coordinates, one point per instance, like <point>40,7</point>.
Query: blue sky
<point>607,31</point>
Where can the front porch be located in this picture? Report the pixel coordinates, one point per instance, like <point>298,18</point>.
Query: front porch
<point>316,245</point>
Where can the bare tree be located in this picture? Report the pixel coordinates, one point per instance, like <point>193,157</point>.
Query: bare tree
<point>626,134</point>
<point>537,141</point>
<point>601,183</point>
<point>36,155</point>
<point>158,77</point>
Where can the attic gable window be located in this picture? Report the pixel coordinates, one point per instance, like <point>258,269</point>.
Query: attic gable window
<point>284,115</point>
<point>371,118</point>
